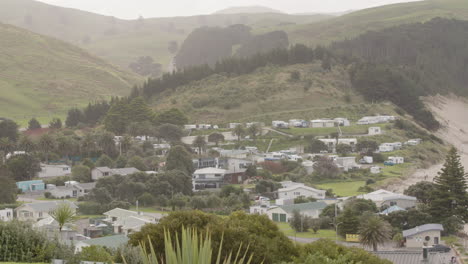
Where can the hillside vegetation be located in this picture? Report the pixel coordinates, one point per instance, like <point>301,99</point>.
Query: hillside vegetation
<point>43,77</point>
<point>353,24</point>
<point>121,42</point>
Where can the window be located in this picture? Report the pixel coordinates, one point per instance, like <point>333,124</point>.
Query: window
<point>65,169</point>
<point>297,193</point>
<point>105,174</point>
<point>217,175</point>
<point>275,217</point>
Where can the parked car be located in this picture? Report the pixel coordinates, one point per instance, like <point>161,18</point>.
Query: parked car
<point>440,248</point>
<point>389,163</point>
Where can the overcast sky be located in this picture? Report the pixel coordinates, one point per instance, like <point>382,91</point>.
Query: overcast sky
<point>130,9</point>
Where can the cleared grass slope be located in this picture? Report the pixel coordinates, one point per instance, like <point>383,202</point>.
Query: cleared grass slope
<point>43,77</point>
<point>353,24</point>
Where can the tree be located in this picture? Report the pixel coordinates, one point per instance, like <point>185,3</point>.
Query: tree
<point>137,162</point>
<point>325,168</point>
<point>253,131</point>
<point>6,146</point>
<point>26,144</point>
<point>105,161</point>
<point>9,129</point>
<point>34,124</point>
<point>179,159</point>
<point>216,138</point>
<point>9,191</point>
<point>107,144</point>
<point>450,197</point>
<point>88,144</point>
<point>367,146</point>
<point>65,146</point>
<point>374,231</point>
<point>145,66</point>
<point>422,191</point>
<point>299,222</point>
<point>316,146</point>
<point>200,144</point>
<point>56,123</point>
<point>170,133</point>
<point>343,149</point>
<point>63,215</point>
<point>46,144</point>
<point>81,173</point>
<point>239,131</point>
<point>23,167</point>
<point>95,254</point>
<point>172,116</point>
<point>74,117</point>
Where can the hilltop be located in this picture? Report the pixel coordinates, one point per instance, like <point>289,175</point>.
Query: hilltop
<point>247,10</point>
<point>353,24</point>
<point>42,76</point>
<point>121,42</point>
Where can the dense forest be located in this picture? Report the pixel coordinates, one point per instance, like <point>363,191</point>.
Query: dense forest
<point>434,55</point>
<point>208,45</point>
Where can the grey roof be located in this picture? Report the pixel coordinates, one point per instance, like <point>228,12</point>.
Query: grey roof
<point>87,186</point>
<point>423,228</point>
<point>409,257</point>
<point>109,241</point>
<point>125,171</point>
<point>48,206</point>
<point>103,169</point>
<point>304,206</point>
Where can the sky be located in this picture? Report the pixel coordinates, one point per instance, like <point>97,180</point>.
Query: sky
<point>131,9</point>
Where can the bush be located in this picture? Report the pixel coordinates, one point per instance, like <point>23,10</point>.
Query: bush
<point>91,208</point>
<point>47,195</point>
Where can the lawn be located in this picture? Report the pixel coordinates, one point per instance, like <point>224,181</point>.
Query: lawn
<point>323,131</point>
<point>288,231</point>
<point>343,188</point>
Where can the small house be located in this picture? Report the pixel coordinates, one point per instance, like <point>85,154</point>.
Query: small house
<point>346,163</point>
<point>38,211</point>
<point>384,197</point>
<point>279,124</point>
<point>423,236</point>
<point>386,148</point>
<point>6,215</point>
<point>317,123</point>
<point>127,222</point>
<point>375,170</point>
<point>342,121</point>
<point>367,160</point>
<point>50,170</point>
<point>297,123</point>
<point>296,191</point>
<point>285,212</point>
<point>31,186</point>
<point>100,172</point>
<point>190,127</point>
<point>375,131</point>
<point>396,160</point>
<point>414,142</point>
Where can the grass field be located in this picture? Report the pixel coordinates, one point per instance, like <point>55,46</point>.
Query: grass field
<point>322,131</point>
<point>347,188</point>
<point>288,231</point>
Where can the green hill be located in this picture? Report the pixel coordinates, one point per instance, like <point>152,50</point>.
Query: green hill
<point>269,94</point>
<point>353,24</point>
<point>121,42</point>
<point>41,76</point>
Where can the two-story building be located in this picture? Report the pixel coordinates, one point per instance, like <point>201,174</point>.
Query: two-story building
<point>423,236</point>
<point>296,191</point>
<point>208,178</point>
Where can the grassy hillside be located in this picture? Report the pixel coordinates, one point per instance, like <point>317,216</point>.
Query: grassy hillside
<point>269,94</point>
<point>122,41</point>
<point>42,77</point>
<point>355,23</point>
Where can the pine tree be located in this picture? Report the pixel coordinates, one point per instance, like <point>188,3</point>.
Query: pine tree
<point>450,197</point>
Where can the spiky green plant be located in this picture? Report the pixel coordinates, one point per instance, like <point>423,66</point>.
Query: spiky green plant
<point>193,249</point>
<point>63,214</point>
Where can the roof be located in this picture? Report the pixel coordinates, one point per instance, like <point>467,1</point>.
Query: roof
<point>55,165</point>
<point>125,171</point>
<point>118,212</point>
<point>86,186</point>
<point>295,187</point>
<point>304,207</point>
<point>210,171</point>
<point>133,222</point>
<point>108,241</point>
<point>409,257</point>
<point>103,169</point>
<point>423,228</point>
<point>48,206</point>
<point>384,195</point>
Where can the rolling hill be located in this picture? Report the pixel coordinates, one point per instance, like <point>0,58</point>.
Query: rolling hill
<point>121,42</point>
<point>247,10</point>
<point>356,23</point>
<point>43,77</point>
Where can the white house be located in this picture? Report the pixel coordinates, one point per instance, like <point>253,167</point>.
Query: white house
<point>37,211</point>
<point>288,184</point>
<point>342,121</point>
<point>49,170</point>
<point>396,160</point>
<point>322,123</point>
<point>346,163</point>
<point>331,142</point>
<point>100,172</point>
<point>208,178</point>
<point>190,127</point>
<point>423,236</point>
<point>296,191</point>
<point>279,124</point>
<point>273,156</point>
<point>6,215</point>
<point>386,147</point>
<point>284,213</point>
<point>259,209</point>
<point>384,197</point>
<point>369,120</point>
<point>297,123</point>
<point>375,170</point>
<point>233,125</point>
<point>367,160</point>
<point>127,222</point>
<point>70,190</point>
<point>375,131</point>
